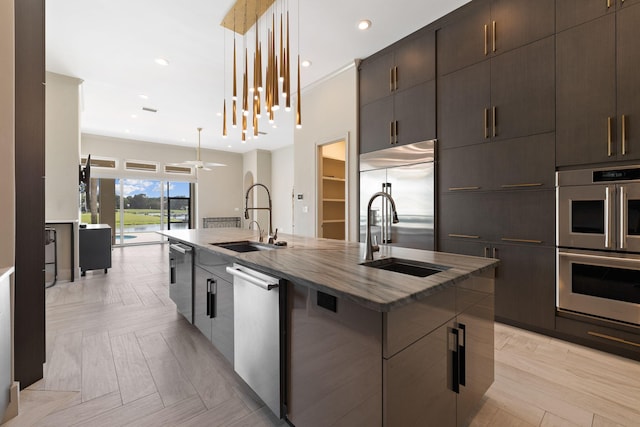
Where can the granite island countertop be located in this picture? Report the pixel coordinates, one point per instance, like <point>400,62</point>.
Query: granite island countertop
<point>333,266</point>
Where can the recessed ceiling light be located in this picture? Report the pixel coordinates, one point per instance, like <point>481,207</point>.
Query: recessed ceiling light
<point>127,131</point>
<point>162,61</point>
<point>143,96</point>
<point>228,146</point>
<point>364,24</point>
<point>306,63</point>
<point>218,114</point>
<point>133,116</point>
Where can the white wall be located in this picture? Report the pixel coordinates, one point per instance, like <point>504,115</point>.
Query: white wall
<point>218,192</point>
<point>7,135</point>
<point>281,188</point>
<point>62,147</point>
<point>329,113</point>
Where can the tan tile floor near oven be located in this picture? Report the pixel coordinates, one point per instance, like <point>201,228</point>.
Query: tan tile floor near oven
<point>119,354</point>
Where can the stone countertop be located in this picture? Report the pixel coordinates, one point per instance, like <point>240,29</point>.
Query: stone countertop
<point>6,272</point>
<point>334,266</point>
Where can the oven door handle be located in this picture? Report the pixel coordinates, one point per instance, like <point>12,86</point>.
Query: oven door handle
<point>608,258</point>
<point>608,218</point>
<point>623,218</point>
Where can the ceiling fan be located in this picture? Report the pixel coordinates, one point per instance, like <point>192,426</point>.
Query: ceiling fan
<point>198,164</point>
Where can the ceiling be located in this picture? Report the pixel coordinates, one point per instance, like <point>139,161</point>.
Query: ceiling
<point>112,46</point>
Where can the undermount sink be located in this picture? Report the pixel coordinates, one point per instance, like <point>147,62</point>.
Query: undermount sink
<point>406,266</point>
<point>245,246</point>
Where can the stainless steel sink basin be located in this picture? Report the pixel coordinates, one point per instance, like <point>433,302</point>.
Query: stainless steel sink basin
<point>245,246</point>
<point>406,266</point>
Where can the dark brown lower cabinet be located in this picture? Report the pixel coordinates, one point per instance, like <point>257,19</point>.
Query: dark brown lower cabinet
<point>525,279</point>
<point>424,364</point>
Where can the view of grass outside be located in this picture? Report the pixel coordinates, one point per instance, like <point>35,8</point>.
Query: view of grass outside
<point>133,217</point>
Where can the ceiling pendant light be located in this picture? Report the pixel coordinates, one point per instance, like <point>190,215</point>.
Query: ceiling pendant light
<point>271,67</point>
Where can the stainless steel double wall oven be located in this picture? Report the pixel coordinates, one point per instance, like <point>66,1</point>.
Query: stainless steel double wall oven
<point>599,242</point>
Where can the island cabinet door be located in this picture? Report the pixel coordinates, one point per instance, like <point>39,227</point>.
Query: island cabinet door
<point>201,282</point>
<point>476,336</point>
<point>335,363</point>
<point>419,383</point>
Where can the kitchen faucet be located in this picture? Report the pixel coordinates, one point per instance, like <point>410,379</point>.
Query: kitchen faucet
<point>272,236</point>
<point>369,248</point>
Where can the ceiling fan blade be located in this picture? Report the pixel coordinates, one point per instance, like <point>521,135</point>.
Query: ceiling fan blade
<point>213,164</point>
<point>205,169</point>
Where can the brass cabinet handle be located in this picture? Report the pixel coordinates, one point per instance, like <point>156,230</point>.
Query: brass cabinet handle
<point>495,120</point>
<point>533,184</point>
<point>391,79</point>
<point>609,136</point>
<point>395,131</point>
<point>395,78</point>
<point>463,188</point>
<point>495,253</point>
<point>493,37</point>
<point>612,338</point>
<point>486,123</point>
<point>624,135</point>
<point>464,236</point>
<point>486,39</point>
<point>391,128</point>
<point>608,4</point>
<point>509,239</point>
<point>486,252</point>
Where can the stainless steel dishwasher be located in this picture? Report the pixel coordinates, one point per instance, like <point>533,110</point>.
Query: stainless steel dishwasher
<point>181,278</point>
<point>258,333</point>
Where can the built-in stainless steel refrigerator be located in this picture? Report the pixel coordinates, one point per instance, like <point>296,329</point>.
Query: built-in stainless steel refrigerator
<point>407,173</point>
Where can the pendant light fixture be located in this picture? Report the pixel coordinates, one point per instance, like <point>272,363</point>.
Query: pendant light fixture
<point>271,75</point>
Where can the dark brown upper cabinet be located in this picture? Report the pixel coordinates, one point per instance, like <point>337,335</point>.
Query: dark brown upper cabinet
<point>398,94</point>
<point>508,96</point>
<point>570,13</point>
<point>598,92</point>
<point>486,28</point>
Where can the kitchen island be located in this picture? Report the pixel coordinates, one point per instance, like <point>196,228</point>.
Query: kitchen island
<point>364,345</point>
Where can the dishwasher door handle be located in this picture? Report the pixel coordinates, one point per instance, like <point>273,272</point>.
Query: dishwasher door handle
<point>180,248</point>
<point>236,272</point>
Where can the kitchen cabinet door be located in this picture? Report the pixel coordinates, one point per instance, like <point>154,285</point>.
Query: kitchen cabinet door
<point>200,316</point>
<point>523,91</point>
<point>465,168</point>
<point>477,374</point>
<point>461,42</point>
<point>465,215</point>
<point>414,110</point>
<point>222,321</point>
<point>519,22</point>
<point>522,163</point>
<point>375,77</point>
<point>525,291</point>
<point>376,120</point>
<point>628,64</point>
<point>522,216</point>
<point>415,59</point>
<point>585,92</point>
<point>417,382</point>
<point>463,99</point>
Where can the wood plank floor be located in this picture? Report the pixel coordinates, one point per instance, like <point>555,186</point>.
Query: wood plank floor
<point>119,354</point>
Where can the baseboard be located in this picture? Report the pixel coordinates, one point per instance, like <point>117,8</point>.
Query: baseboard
<point>14,403</point>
